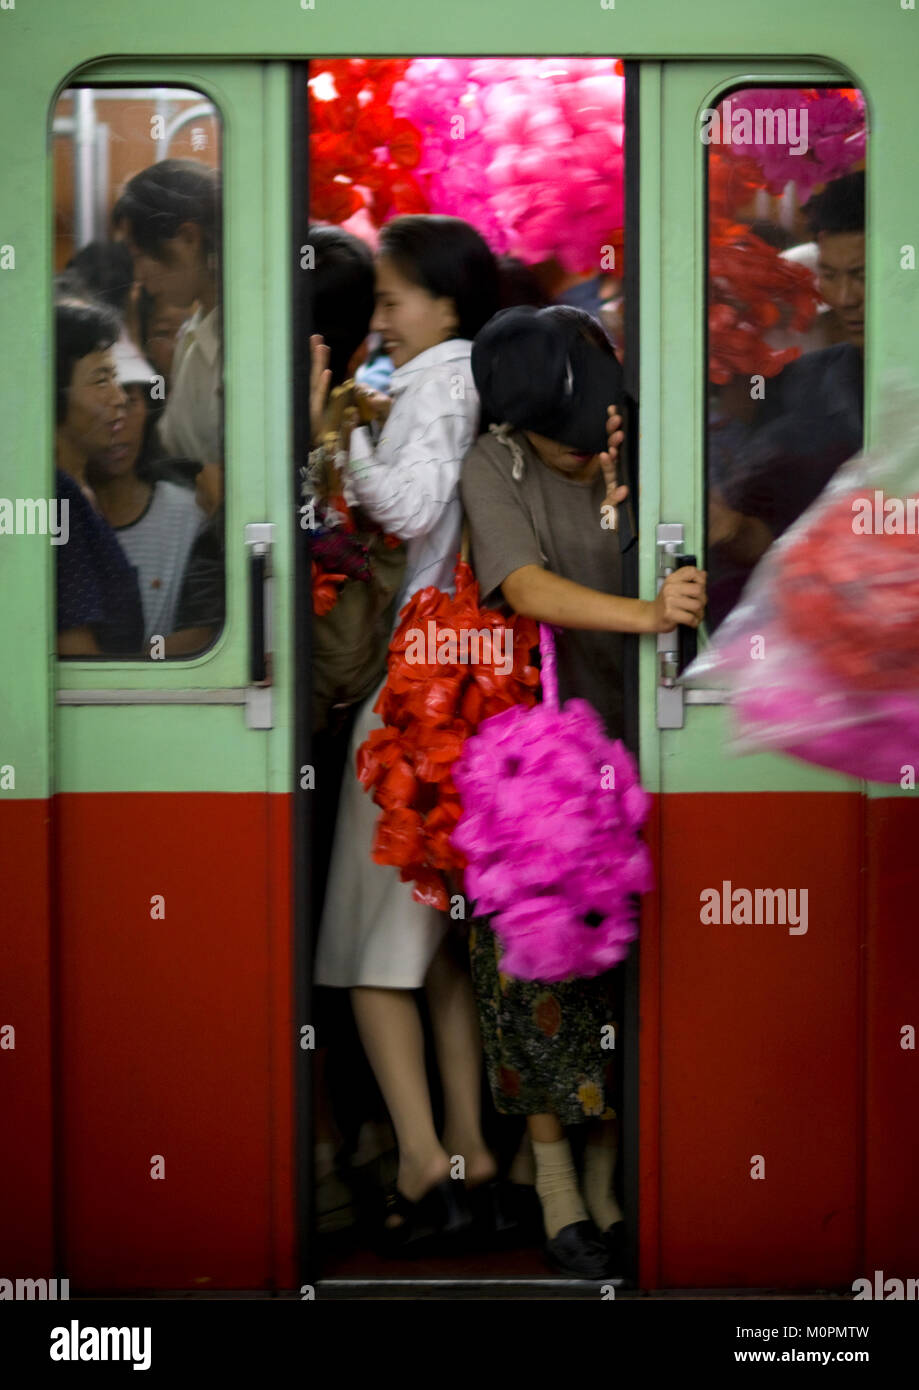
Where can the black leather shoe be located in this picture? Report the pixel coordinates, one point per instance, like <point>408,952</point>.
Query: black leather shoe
<point>578,1250</point>
<point>614,1240</point>
<point>496,1215</point>
<point>441,1214</point>
<point>616,1254</point>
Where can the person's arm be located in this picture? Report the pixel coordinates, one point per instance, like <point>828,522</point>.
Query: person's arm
<point>538,593</point>
<point>189,641</point>
<point>406,495</point>
<point>77,641</point>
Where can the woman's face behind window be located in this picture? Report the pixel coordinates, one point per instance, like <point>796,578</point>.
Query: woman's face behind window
<point>121,456</point>
<point>96,404</point>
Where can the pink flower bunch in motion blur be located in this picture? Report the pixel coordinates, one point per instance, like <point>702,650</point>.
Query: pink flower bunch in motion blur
<point>552,808</point>
<point>835,133</point>
<point>530,151</point>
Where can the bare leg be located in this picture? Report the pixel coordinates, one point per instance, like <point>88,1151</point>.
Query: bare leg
<point>391,1032</point>
<point>545,1129</point>
<point>455,1024</point>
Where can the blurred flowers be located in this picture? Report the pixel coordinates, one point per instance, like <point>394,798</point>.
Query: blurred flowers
<point>551,813</point>
<point>835,135</point>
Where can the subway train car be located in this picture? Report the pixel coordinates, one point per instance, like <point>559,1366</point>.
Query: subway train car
<point>158,1025</point>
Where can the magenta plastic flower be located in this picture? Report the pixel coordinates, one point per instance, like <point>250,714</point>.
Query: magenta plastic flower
<point>551,813</point>
<point>834,137</point>
<point>529,150</point>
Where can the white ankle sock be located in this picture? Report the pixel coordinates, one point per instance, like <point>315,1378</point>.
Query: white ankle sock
<point>557,1186</point>
<point>599,1166</point>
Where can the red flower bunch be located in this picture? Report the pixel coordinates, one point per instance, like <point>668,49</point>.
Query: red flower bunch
<point>748,285</point>
<point>361,154</point>
<point>429,708</point>
<point>853,597</point>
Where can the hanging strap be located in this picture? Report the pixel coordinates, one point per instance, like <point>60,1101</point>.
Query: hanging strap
<point>504,434</point>
<point>548,672</point>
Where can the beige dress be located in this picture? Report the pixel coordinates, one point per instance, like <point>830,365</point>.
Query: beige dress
<point>372,931</point>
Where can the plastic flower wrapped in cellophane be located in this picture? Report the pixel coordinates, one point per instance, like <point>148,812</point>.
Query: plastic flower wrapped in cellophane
<point>552,809</point>
<point>428,708</point>
<point>821,655</point>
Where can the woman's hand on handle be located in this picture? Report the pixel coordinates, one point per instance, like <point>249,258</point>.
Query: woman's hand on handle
<point>681,599</point>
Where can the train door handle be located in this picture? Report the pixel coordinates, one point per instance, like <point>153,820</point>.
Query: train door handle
<point>675,650</point>
<point>259,537</point>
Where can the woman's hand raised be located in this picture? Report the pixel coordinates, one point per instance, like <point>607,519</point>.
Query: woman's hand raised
<point>609,460</point>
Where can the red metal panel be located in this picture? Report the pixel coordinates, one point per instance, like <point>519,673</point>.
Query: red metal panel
<point>26,1174</point>
<point>892,1100</point>
<point>283,1040</point>
<point>759,1041</point>
<point>173,1036</point>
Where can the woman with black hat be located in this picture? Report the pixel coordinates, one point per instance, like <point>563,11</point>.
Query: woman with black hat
<point>543,505</point>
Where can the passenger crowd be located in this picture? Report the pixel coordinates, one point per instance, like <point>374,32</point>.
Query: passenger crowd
<point>445,386</point>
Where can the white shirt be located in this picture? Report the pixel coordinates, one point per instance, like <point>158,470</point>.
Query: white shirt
<point>409,482</point>
<point>191,426</point>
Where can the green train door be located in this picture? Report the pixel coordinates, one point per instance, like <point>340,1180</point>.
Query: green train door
<point>771,1119</point>
<point>171,781</point>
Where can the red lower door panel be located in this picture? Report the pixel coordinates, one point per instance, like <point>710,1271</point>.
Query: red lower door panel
<point>26,1088</point>
<point>752,1048</point>
<point>175,1089</point>
<point>170,1111</point>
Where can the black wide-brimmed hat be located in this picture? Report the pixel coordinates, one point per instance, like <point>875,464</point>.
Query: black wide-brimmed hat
<point>535,369</point>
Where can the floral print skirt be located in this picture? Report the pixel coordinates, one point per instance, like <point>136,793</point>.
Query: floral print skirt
<point>548,1047</point>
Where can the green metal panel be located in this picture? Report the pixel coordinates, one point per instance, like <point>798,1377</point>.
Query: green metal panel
<point>155,748</point>
<point>42,47</point>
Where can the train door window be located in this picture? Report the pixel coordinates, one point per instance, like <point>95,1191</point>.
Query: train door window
<point>139,372</point>
<point>786,314</point>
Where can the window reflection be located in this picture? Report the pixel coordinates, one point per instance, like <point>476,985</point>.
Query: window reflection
<point>139,402</point>
<point>786,316</point>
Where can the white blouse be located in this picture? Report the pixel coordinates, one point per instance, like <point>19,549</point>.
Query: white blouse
<point>409,482</point>
<point>191,426</point>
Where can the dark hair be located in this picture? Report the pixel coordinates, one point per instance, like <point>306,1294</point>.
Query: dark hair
<point>107,271</point>
<point>343,286</point>
<point>552,371</point>
<point>583,324</point>
<point>517,284</point>
<point>80,327</point>
<point>839,208</point>
<point>157,201</point>
<point>446,257</point>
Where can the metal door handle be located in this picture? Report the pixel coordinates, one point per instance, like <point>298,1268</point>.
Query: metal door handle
<point>259,539</point>
<point>675,650</point>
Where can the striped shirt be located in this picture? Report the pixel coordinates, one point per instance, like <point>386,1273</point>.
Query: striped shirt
<point>158,544</point>
<point>409,481</point>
